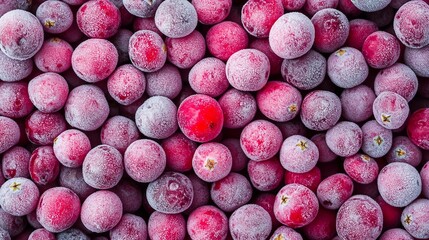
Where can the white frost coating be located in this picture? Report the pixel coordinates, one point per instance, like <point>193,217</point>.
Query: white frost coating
<point>418,60</point>
<point>12,70</point>
<point>370,5</point>
<point>176,18</point>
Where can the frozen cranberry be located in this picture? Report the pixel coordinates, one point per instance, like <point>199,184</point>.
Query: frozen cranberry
<point>42,128</point>
<point>310,179</point>
<point>200,118</point>
<point>322,227</point>
<point>41,234</point>
<point>145,24</point>
<point>73,233</point>
<point>201,192</point>
<point>344,139</point>
<point>239,108</point>
<point>165,82</point>
<point>258,17</point>
<point>12,70</point>
<point>391,215</point>
<point>334,190</point>
<point>130,194</point>
<point>403,150</point>
<point>211,12</point>
<point>15,162</point>
<point>143,9</point>
<point>417,59</point>
<point>101,211</point>
<point>144,160</point>
<point>226,38</point>
<point>14,100</point>
<point>94,59</point>
<point>295,205</point>
<point>376,140</point>
<point>250,221</point>
<point>284,232</point>
<point>58,209</point>
<point>361,94</point>
<point>347,67</point>
<point>414,218</point>
<point>55,16</point>
<point>71,147</point>
<point>126,84</point>
<point>13,225</point>
<point>48,92</point>
<point>360,217</point>
<point>261,140</point>
<point>212,161</point>
<point>147,51</point>
<point>410,24</point>
<point>166,226</point>
<point>130,227</point>
<point>179,151</point>
<point>360,29</point>
<point>72,34</point>
<point>320,110</point>
<point>396,233</point>
<point>361,168</point>
<point>119,132</point>
<point>263,45</point>
<point>370,6</point>
<point>176,18</point>
<point>98,19</point>
<point>266,201</point>
<point>19,196</point>
<point>207,222</point>
<point>418,128</point>
<point>325,154</point>
<point>424,174</point>
<point>171,193</point>
<point>86,108</point>
<point>43,166</point>
<point>239,158</point>
<point>283,38</point>
<point>298,154</point>
<point>54,56</point>
<point>21,39</point>
<point>265,175</point>
<point>279,101</point>
<point>72,178</point>
<point>103,167</point>
<point>208,77</point>
<point>390,110</point>
<point>381,49</point>
<point>186,51</point>
<point>231,192</point>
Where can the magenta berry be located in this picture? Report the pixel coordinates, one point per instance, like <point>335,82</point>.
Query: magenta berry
<point>310,179</point>
<point>258,17</point>
<point>48,92</point>
<point>27,37</point>
<point>409,24</point>
<point>391,215</point>
<point>417,59</point>
<point>265,175</point>
<point>165,82</point>
<point>98,19</point>
<point>163,226</point>
<point>239,158</point>
<point>147,51</point>
<point>40,234</point>
<point>390,110</point>
<point>14,100</point>
<point>208,76</point>
<point>130,227</point>
<point>370,6</point>
<point>325,154</point>
<point>58,209</point>
<point>144,160</point>
<point>171,193</point>
<point>226,38</point>
<point>381,49</point>
<point>119,132</point>
<point>9,133</point>
<point>239,108</point>
<point>361,168</point>
<point>130,194</point>
<point>298,154</point>
<point>231,192</point>
<point>201,192</point>
<point>101,211</point>
<point>414,219</point>
<point>207,222</point>
<point>42,128</point>
<point>263,45</point>
<point>176,18</point>
<point>261,140</point>
<point>19,196</point>
<point>212,161</point>
<point>179,151</point>
<point>71,147</point>
<point>43,166</point>
<point>418,129</point>
<point>293,5</point>
<point>424,174</point>
<point>353,112</point>
<point>376,140</point>
<point>55,16</point>
<point>396,233</point>
<point>15,162</point>
<point>186,51</point>
<point>360,29</point>
<point>403,150</point>
<point>72,178</point>
<point>126,84</point>
<point>279,101</point>
<point>251,222</point>
<point>322,227</point>
<point>334,190</point>
<point>54,56</point>
<point>12,70</point>
<point>295,205</point>
<point>211,12</point>
<point>360,217</point>
<point>286,233</point>
<point>344,139</point>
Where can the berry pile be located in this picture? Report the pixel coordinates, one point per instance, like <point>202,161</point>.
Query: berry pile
<point>214,119</point>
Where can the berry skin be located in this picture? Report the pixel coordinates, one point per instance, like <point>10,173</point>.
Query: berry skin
<point>409,24</point>
<point>298,154</point>
<point>251,222</point>
<point>418,128</point>
<point>207,222</point>
<point>212,161</point>
<point>176,18</point>
<point>414,219</point>
<point>19,196</point>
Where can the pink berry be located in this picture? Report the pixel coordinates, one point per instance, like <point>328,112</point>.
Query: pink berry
<point>397,233</point>
<point>44,166</point>
<point>12,70</point>
<point>171,193</point>
<point>390,110</point>
<point>258,17</point>
<point>166,226</point>
<point>42,128</point>
<point>19,196</point>
<point>98,19</point>
<point>208,76</point>
<point>298,154</point>
<point>295,205</point>
<point>22,39</point>
<point>391,215</point>
<point>143,9</point>
<point>176,18</point>
<point>207,222</point>
<point>71,147</point>
<point>344,139</point>
<point>279,101</point>
<point>284,232</point>
<point>410,24</point>
<point>376,140</point>
<point>325,154</point>
<point>145,24</point>
<point>58,209</point>
<point>179,151</point>
<point>261,140</point>
<point>231,192</point>
<point>370,6</point>
<point>126,84</point>
<point>263,45</point>
<point>119,132</point>
<point>251,222</point>
<point>130,227</point>
<point>212,161</point>
<point>360,217</point>
<point>320,110</point>
<point>15,162</point>
<point>334,190</point>
<point>414,219</point>
<point>147,51</point>
<point>200,118</point>
<point>360,29</point>
<point>313,6</point>
<point>353,112</point>
<point>101,211</point>
<point>403,150</point>
<point>48,92</point>
<point>185,52</point>
<point>130,194</point>
<point>54,56</point>
<point>265,175</point>
<point>86,108</point>
<point>144,160</point>
<point>165,82</point>
<point>293,127</point>
<point>283,38</point>
<point>310,179</point>
<point>239,158</point>
<point>381,49</point>
<point>14,100</point>
<point>424,174</point>
<point>418,128</point>
<point>322,227</point>
<point>55,16</point>
<point>41,234</point>
<point>9,133</point>
<point>94,59</point>
<point>239,108</point>
<point>226,38</point>
<point>211,12</point>
<point>417,59</point>
<point>361,168</point>
<point>293,5</point>
<point>13,225</point>
<point>266,201</point>
<point>72,178</point>
<point>201,192</point>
